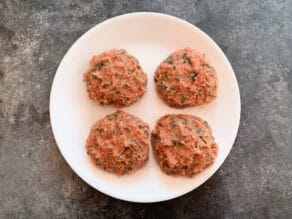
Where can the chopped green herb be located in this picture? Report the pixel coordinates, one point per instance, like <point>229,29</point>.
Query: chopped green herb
<point>165,77</point>
<point>164,85</point>
<point>186,59</point>
<point>156,136</point>
<point>207,65</point>
<point>144,129</point>
<point>98,66</point>
<point>129,167</point>
<point>176,142</point>
<point>173,89</point>
<point>209,158</point>
<point>165,164</point>
<point>205,124</point>
<point>173,122</point>
<point>209,94</point>
<point>202,138</point>
<point>193,75</point>
<point>198,131</point>
<point>169,60</point>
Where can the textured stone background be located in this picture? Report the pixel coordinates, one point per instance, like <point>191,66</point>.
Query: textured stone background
<point>256,179</point>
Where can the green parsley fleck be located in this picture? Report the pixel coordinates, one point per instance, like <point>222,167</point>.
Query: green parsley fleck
<point>173,122</point>
<point>202,138</point>
<point>129,167</point>
<point>186,59</point>
<point>164,85</point>
<point>193,75</point>
<point>169,60</point>
<point>156,136</point>
<point>98,66</point>
<point>176,142</point>
<point>207,65</point>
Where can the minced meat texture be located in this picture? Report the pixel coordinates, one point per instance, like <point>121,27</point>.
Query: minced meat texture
<point>115,78</point>
<point>183,144</point>
<point>186,79</point>
<point>118,143</point>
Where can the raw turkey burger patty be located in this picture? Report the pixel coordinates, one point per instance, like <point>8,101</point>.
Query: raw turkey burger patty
<point>118,143</point>
<point>115,77</point>
<point>186,79</point>
<point>183,144</point>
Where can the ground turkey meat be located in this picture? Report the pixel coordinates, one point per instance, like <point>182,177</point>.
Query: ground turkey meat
<point>115,77</point>
<point>186,79</point>
<point>118,143</point>
<point>183,145</point>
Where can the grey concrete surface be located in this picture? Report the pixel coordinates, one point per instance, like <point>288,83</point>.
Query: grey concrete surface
<point>254,182</point>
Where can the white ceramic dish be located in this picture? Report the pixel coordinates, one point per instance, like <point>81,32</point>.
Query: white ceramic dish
<point>150,37</point>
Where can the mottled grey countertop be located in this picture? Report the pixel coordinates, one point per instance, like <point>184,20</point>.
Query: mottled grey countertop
<point>256,179</point>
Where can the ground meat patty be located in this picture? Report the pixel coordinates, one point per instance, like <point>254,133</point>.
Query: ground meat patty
<point>183,144</point>
<point>186,79</point>
<point>118,143</point>
<point>115,77</point>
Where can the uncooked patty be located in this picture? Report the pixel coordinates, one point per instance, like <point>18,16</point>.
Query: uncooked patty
<point>186,79</point>
<point>115,77</point>
<point>183,144</point>
<point>118,143</point>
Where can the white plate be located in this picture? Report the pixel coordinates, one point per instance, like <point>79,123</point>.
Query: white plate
<point>150,37</point>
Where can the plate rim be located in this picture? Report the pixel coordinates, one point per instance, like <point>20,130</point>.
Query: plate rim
<point>133,14</point>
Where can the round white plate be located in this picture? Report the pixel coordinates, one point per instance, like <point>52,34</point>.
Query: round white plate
<point>150,37</point>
